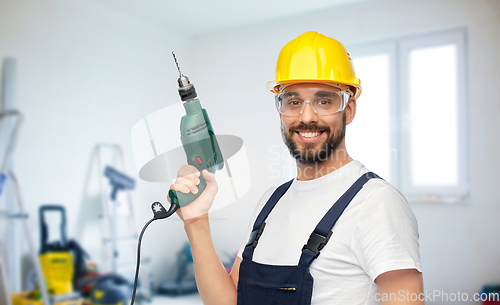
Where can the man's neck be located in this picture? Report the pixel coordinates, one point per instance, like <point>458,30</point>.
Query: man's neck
<point>312,171</point>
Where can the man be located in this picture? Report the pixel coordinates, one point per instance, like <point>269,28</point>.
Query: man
<point>337,234</point>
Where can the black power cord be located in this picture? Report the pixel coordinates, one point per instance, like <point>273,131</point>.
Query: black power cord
<point>159,213</point>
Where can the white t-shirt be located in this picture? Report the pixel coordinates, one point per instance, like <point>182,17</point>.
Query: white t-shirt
<point>376,233</point>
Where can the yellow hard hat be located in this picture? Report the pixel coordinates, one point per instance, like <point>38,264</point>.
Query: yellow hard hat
<point>313,57</point>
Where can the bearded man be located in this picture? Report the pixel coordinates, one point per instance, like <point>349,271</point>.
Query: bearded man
<point>335,234</point>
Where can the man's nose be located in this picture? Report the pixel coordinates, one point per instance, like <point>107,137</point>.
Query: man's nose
<point>307,115</point>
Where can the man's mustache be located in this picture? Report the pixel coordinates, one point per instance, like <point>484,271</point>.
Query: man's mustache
<point>309,128</point>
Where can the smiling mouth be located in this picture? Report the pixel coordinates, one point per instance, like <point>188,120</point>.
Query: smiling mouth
<point>309,134</point>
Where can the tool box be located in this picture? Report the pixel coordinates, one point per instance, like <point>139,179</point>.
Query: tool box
<point>490,295</point>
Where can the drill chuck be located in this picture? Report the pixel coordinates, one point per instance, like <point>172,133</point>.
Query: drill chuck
<point>183,81</point>
<point>186,92</point>
<point>186,89</point>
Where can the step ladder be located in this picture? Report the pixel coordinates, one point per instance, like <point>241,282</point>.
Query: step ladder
<point>118,225</point>
<point>12,213</point>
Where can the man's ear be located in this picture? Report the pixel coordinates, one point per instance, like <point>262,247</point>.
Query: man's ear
<point>350,110</point>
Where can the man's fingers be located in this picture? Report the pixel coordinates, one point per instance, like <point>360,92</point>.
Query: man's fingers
<point>180,188</point>
<point>209,177</point>
<point>188,184</point>
<point>187,180</point>
<point>189,172</point>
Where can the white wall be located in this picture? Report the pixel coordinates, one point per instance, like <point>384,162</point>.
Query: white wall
<point>87,75</point>
<point>458,247</point>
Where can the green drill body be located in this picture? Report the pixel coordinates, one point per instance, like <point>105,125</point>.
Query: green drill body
<point>198,139</point>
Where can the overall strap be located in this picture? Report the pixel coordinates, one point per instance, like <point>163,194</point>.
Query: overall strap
<point>258,226</point>
<point>323,231</point>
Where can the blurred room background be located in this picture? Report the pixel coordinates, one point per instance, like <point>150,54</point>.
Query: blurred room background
<point>83,72</point>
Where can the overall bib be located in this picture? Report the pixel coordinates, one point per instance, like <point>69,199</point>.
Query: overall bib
<point>261,284</point>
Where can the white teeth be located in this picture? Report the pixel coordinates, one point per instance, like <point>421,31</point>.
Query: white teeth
<point>309,134</point>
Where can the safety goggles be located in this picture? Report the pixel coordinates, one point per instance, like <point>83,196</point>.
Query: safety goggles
<point>323,99</point>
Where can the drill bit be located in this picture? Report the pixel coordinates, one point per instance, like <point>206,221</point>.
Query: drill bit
<point>177,64</point>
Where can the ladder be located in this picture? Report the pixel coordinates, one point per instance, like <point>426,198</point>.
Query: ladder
<point>8,175</point>
<point>120,233</point>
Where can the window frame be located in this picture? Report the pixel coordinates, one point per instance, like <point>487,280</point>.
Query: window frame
<point>399,49</point>
<point>389,48</point>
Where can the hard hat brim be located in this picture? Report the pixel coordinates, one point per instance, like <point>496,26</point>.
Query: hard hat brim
<point>272,85</point>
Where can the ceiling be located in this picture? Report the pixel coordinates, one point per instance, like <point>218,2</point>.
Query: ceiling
<point>195,17</point>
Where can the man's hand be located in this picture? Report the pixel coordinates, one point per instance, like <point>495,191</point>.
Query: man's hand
<point>393,282</point>
<point>187,180</point>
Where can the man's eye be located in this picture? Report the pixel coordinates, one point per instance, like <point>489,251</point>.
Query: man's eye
<point>323,102</point>
<point>294,103</point>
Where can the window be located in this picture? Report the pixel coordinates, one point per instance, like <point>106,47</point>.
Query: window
<point>410,124</point>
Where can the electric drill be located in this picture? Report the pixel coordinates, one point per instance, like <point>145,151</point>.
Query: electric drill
<point>197,137</point>
<point>202,151</point>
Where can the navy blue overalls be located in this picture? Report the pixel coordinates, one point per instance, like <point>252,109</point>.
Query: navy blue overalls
<point>261,284</point>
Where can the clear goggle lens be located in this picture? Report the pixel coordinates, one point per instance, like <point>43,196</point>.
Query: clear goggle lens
<point>291,100</point>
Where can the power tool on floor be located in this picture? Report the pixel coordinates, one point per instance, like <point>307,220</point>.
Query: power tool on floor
<point>202,151</point>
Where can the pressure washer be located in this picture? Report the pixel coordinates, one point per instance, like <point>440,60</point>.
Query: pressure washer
<point>202,151</point>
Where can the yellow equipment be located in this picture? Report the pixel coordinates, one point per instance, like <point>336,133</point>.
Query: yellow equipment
<point>55,258</point>
<point>32,298</point>
<point>313,57</point>
<point>57,270</point>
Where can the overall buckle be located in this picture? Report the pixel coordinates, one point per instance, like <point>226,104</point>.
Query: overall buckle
<point>316,243</point>
<point>255,235</point>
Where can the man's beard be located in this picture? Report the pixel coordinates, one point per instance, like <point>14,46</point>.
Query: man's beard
<point>308,155</point>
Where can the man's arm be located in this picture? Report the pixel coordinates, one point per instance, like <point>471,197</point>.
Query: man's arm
<point>404,285</point>
<point>235,271</point>
<point>214,284</point>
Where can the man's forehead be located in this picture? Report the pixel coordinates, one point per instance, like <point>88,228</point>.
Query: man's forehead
<point>309,89</point>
